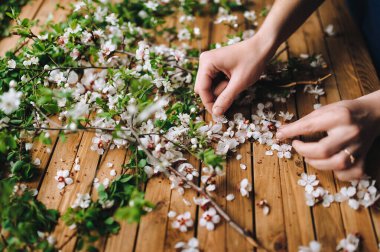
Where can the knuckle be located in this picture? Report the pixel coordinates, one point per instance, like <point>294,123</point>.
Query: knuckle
<point>355,131</point>
<point>345,114</point>
<point>204,57</point>
<point>341,163</point>
<point>341,176</point>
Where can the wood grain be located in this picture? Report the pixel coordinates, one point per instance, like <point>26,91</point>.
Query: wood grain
<point>290,222</point>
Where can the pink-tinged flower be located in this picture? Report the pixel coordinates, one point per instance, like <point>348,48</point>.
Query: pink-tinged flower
<point>286,116</point>
<point>190,246</point>
<point>209,219</point>
<point>188,170</point>
<point>308,181</point>
<point>100,143</point>
<point>314,246</point>
<point>63,179</point>
<point>349,244</point>
<point>108,47</point>
<point>319,195</point>
<point>202,202</point>
<point>183,222</point>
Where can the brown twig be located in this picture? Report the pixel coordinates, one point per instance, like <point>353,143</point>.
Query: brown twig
<point>67,241</point>
<point>295,83</point>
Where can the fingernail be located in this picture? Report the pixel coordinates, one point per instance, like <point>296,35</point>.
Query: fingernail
<point>279,135</point>
<point>217,110</point>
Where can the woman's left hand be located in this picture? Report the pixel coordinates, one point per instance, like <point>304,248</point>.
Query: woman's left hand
<point>351,128</point>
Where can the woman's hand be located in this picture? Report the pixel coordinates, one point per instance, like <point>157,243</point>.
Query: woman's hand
<point>225,72</point>
<point>351,128</point>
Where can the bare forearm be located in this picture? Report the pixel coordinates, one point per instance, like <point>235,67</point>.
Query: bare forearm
<point>284,18</point>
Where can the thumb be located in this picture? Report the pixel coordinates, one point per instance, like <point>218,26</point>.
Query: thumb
<point>227,97</point>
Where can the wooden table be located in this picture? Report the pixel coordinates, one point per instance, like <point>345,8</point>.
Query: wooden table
<point>290,223</point>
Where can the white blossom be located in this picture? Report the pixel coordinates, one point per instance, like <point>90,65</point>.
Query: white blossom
<point>191,246</point>
<point>308,181</point>
<point>209,219</point>
<point>183,222</point>
<point>83,201</point>
<point>11,63</point>
<point>63,178</point>
<point>10,101</point>
<point>314,246</point>
<point>245,187</point>
<point>349,244</point>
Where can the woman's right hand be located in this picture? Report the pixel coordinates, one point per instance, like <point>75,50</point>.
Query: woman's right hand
<point>241,64</point>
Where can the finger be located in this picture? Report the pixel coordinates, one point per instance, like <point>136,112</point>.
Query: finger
<point>327,146</point>
<point>355,172</point>
<point>339,161</point>
<point>227,97</point>
<point>220,87</point>
<point>202,87</point>
<point>312,123</point>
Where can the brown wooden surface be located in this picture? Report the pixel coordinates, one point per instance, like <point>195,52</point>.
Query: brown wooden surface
<point>290,222</point>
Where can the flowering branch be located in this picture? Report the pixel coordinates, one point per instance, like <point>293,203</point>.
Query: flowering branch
<point>201,191</point>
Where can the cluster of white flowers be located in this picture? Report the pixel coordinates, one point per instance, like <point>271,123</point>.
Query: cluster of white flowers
<point>262,129</point>
<point>361,193</point>
<point>20,189</point>
<point>349,244</point>
<point>191,246</point>
<point>251,17</point>
<point>224,17</point>
<point>63,179</point>
<point>83,201</point>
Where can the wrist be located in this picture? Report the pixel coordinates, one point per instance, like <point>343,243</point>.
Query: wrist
<point>265,44</point>
<point>371,103</point>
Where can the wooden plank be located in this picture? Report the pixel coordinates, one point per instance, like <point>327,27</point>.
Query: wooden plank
<point>349,88</point>
<point>215,239</point>
<point>151,233</point>
<point>356,46</point>
<point>43,152</point>
<point>177,204</point>
<point>40,151</point>
<point>28,11</point>
<point>270,229</point>
<point>348,32</point>
<point>153,226</point>
<point>83,181</point>
<point>309,39</point>
<point>297,215</point>
<point>64,158</point>
<point>125,239</point>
